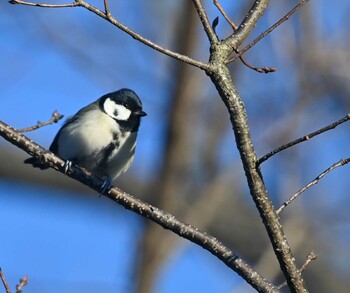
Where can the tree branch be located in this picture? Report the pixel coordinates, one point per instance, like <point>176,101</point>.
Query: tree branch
<point>247,25</point>
<point>4,282</point>
<point>310,257</point>
<point>302,139</point>
<point>54,119</point>
<point>164,219</point>
<point>23,282</point>
<point>205,22</point>
<point>224,14</point>
<point>43,5</point>
<point>221,78</point>
<point>313,182</point>
<point>265,69</point>
<point>107,16</point>
<point>269,30</point>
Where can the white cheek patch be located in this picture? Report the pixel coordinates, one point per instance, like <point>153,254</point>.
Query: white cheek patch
<point>118,112</point>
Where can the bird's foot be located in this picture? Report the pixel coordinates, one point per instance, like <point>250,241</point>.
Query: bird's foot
<point>107,184</point>
<point>67,166</point>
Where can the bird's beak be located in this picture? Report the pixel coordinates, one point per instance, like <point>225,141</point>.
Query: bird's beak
<point>140,113</point>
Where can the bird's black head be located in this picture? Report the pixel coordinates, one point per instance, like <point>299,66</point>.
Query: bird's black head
<point>125,107</point>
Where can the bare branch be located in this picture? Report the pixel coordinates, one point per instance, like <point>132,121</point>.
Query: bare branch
<point>265,69</point>
<point>313,182</point>
<point>269,30</point>
<point>310,257</point>
<point>164,219</point>
<point>124,28</point>
<point>23,282</point>
<point>302,139</point>
<point>73,4</point>
<point>54,119</point>
<point>3,279</point>
<point>205,22</point>
<point>247,25</point>
<point>107,11</point>
<point>224,14</point>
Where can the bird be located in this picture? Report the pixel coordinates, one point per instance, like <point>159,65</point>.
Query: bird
<point>100,137</point>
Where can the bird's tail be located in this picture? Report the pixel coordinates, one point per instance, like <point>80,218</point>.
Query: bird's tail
<point>36,163</point>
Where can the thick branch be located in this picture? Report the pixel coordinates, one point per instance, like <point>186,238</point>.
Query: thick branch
<point>164,219</point>
<point>221,78</point>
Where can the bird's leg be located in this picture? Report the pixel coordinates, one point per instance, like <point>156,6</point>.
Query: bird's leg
<point>67,166</point>
<point>106,185</point>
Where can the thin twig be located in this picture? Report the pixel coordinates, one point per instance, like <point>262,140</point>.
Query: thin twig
<point>265,69</point>
<point>3,279</point>
<point>224,14</point>
<point>205,22</point>
<point>23,282</point>
<point>302,139</point>
<point>313,182</point>
<point>269,30</point>
<point>124,28</point>
<point>107,11</point>
<point>310,257</point>
<point>54,119</point>
<point>73,4</point>
<point>164,219</point>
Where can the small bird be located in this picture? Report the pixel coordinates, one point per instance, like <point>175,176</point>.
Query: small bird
<point>100,137</point>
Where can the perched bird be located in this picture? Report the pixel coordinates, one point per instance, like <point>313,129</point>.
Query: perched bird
<point>100,137</point>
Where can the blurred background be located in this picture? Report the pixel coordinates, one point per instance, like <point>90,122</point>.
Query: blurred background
<point>69,240</point>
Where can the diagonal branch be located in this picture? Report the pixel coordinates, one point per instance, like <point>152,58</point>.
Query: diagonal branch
<point>313,182</point>
<point>224,14</point>
<point>205,22</point>
<point>302,139</point>
<point>44,5</point>
<point>4,282</point>
<point>54,119</point>
<point>269,30</point>
<point>247,25</point>
<point>107,16</point>
<point>222,80</point>
<point>265,69</point>
<point>164,219</point>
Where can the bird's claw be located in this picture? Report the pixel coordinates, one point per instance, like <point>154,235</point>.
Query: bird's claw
<point>106,185</point>
<point>67,166</point>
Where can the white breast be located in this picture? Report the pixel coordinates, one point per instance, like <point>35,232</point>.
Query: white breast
<point>93,132</point>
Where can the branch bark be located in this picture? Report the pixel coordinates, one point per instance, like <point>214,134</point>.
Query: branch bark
<point>222,80</point>
<point>164,219</point>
